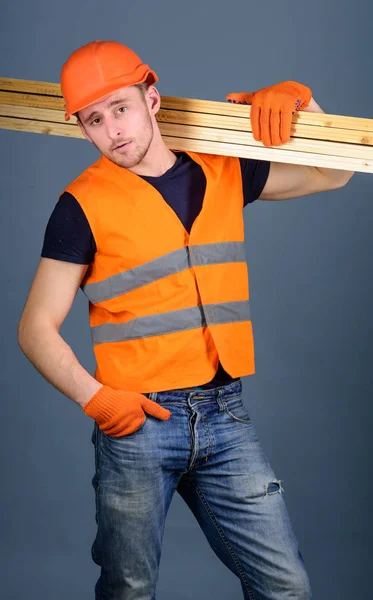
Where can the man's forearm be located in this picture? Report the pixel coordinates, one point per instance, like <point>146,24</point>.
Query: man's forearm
<point>334,176</point>
<point>55,360</point>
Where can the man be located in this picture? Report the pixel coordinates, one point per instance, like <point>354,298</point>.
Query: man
<point>155,239</point>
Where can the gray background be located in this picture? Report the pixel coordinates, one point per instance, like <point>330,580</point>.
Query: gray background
<point>311,290</point>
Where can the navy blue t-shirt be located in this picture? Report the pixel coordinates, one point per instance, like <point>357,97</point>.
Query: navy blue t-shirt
<point>68,235</point>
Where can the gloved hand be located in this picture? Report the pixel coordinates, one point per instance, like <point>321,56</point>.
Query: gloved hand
<point>119,413</point>
<point>272,109</point>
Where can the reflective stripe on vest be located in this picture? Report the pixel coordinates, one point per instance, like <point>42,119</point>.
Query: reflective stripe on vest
<point>174,262</point>
<point>171,322</point>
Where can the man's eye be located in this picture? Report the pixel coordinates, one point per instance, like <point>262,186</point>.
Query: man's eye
<point>122,108</point>
<point>95,121</point>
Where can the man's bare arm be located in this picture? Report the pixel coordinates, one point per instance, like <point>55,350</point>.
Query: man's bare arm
<point>51,296</point>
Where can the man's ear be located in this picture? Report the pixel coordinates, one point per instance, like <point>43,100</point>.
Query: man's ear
<point>82,129</point>
<point>153,99</point>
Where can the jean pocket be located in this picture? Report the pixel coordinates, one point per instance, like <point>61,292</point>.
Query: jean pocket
<point>126,435</point>
<point>236,410</point>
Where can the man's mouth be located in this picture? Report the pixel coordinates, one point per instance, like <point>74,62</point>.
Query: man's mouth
<point>122,145</point>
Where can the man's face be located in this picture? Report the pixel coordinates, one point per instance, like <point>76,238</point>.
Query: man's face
<point>120,125</point>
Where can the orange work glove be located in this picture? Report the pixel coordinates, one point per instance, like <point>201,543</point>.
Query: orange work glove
<point>119,413</point>
<point>272,109</point>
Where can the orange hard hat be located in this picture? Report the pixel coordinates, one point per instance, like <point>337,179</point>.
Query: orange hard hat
<point>98,69</point>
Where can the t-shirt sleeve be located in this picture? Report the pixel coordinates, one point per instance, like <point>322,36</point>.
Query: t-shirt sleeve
<point>254,177</point>
<point>68,235</point>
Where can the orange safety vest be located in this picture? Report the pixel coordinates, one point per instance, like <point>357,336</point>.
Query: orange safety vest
<point>165,305</point>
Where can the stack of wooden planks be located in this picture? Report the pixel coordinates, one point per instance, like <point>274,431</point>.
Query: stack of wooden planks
<point>319,140</point>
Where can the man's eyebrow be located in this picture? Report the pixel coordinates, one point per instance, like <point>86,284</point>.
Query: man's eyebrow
<point>118,101</point>
<point>110,105</point>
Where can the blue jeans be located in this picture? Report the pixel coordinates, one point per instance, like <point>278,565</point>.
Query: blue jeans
<point>209,453</point>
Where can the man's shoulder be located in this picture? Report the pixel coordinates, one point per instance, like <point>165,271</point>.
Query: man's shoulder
<point>214,158</point>
<point>84,183</point>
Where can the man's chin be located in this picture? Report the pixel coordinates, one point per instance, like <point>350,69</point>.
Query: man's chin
<point>124,161</point>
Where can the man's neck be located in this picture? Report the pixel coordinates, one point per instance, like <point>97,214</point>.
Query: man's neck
<point>156,162</point>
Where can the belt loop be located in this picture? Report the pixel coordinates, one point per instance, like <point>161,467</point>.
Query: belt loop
<point>153,396</point>
<point>220,400</point>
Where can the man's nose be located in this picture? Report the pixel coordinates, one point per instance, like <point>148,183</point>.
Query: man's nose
<point>113,130</point>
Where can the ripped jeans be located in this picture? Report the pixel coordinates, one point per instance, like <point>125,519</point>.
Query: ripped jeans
<point>209,453</point>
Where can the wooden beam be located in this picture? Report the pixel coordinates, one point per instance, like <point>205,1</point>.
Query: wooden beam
<point>320,140</point>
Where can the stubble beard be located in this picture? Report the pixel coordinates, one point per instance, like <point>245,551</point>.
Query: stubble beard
<point>139,150</point>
